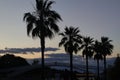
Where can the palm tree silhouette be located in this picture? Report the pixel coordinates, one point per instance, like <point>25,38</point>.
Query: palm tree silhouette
<point>98,56</point>
<point>107,48</point>
<point>87,46</point>
<point>42,23</point>
<point>71,41</point>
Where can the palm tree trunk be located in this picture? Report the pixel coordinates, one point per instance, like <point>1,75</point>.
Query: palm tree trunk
<point>42,37</point>
<point>98,74</point>
<point>87,72</point>
<point>42,52</point>
<point>105,70</point>
<point>71,66</point>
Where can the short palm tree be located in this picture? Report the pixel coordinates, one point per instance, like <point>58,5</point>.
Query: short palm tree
<point>98,56</point>
<point>71,41</point>
<point>107,48</point>
<point>87,46</point>
<point>42,23</point>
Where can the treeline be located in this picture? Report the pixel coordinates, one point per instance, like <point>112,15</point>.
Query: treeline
<point>42,24</point>
<point>10,61</point>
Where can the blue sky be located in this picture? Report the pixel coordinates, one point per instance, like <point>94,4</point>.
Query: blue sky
<point>94,18</point>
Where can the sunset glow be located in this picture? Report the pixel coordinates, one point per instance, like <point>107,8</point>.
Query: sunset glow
<point>94,18</point>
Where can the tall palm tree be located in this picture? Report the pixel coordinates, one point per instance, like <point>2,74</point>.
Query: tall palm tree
<point>87,46</point>
<point>107,48</point>
<point>42,23</point>
<point>98,56</point>
<point>71,41</point>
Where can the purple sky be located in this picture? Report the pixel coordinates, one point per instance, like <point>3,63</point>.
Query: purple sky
<point>94,18</point>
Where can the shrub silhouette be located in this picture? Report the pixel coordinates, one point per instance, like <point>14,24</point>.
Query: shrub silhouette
<point>9,60</point>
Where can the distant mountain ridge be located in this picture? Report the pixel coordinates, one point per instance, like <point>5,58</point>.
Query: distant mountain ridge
<point>77,59</point>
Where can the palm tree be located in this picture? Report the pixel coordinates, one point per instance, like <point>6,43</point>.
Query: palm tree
<point>71,41</point>
<point>87,46</point>
<point>107,48</point>
<point>42,23</point>
<point>98,56</point>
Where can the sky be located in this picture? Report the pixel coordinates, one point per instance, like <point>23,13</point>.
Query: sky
<point>94,18</point>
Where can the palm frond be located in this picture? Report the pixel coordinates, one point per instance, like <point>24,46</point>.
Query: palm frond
<point>87,45</point>
<point>39,4</point>
<point>76,30</point>
<point>62,34</point>
<point>76,47</point>
<point>29,28</point>
<point>64,39</point>
<point>66,46</point>
<point>61,43</point>
<point>88,40</point>
<point>84,52</point>
<point>72,39</point>
<point>97,47</point>
<point>77,40</point>
<point>98,56</point>
<point>54,15</point>
<point>54,27</point>
<point>30,20</point>
<point>81,47</point>
<point>49,4</point>
<point>48,33</point>
<point>35,32</point>
<point>107,47</point>
<point>45,3</point>
<point>79,36</point>
<point>90,53</point>
<point>25,16</point>
<point>51,20</point>
<point>28,17</point>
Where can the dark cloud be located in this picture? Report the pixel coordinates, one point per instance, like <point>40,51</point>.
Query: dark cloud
<point>26,50</point>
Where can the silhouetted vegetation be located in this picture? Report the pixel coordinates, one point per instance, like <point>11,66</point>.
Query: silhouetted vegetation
<point>42,23</point>
<point>114,72</point>
<point>74,42</point>
<point>87,46</point>
<point>107,48</point>
<point>71,41</point>
<point>35,61</point>
<point>9,61</point>
<point>98,56</point>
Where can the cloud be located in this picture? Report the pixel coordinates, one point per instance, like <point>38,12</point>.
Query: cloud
<point>26,50</point>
